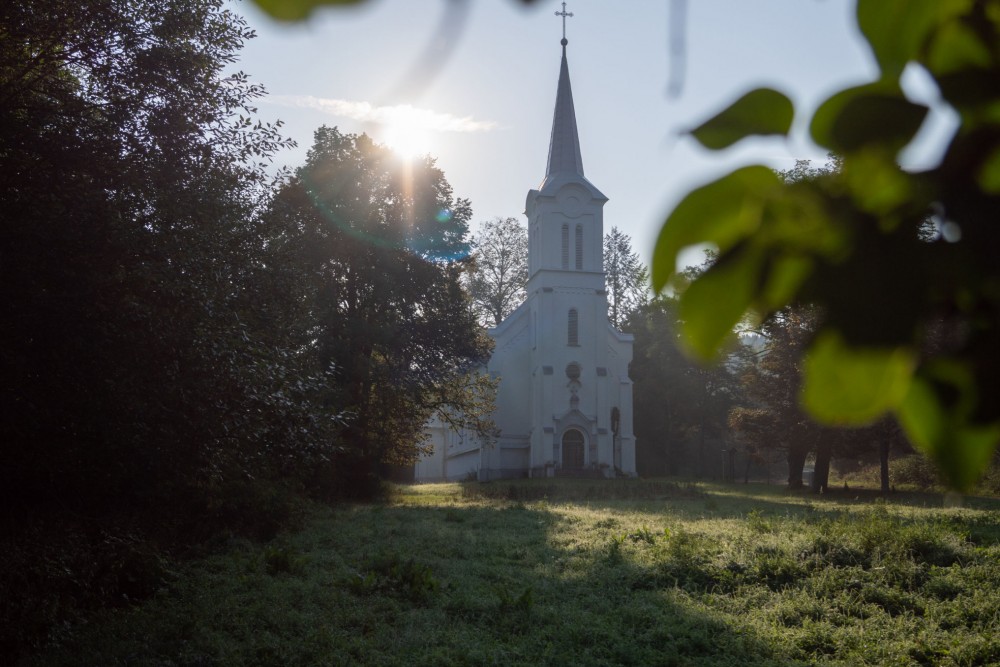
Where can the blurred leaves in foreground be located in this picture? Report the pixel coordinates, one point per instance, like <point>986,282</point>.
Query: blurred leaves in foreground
<point>901,265</point>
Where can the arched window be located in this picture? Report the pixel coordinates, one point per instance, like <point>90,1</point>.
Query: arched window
<point>565,246</point>
<point>572,337</point>
<point>579,247</point>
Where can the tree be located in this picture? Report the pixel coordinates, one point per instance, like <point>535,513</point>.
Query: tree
<point>679,405</point>
<point>386,308</point>
<point>152,388</point>
<point>625,275</point>
<point>772,385</point>
<point>135,371</point>
<point>827,241</point>
<point>497,280</point>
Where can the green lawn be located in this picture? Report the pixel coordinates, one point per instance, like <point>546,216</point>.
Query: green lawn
<point>582,573</point>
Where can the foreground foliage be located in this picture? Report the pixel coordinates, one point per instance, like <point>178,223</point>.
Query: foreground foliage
<point>582,573</point>
<point>900,264</point>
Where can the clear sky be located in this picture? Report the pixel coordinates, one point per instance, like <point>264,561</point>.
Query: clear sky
<point>483,73</point>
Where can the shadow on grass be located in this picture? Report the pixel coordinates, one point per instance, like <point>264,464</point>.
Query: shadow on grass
<point>463,575</point>
<point>518,588</point>
<point>404,585</point>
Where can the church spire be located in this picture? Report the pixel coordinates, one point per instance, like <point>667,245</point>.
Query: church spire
<point>564,145</point>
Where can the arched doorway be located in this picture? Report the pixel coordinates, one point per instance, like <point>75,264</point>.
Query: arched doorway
<point>572,450</point>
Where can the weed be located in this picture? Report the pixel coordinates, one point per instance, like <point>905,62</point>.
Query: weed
<point>644,534</point>
<point>757,523</point>
<point>393,575</point>
<point>521,604</point>
<point>775,568</point>
<point>281,559</point>
<point>514,611</point>
<point>453,515</point>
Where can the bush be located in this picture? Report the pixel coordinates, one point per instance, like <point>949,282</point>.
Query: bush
<point>913,471</point>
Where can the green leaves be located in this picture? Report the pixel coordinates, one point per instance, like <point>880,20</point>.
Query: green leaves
<point>899,30</point>
<point>936,414</point>
<point>908,324</point>
<point>713,304</point>
<point>869,115</point>
<point>297,10</point>
<point>720,213</point>
<point>849,386</point>
<point>760,112</point>
<point>768,236</point>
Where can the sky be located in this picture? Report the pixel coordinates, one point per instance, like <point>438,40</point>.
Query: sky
<point>478,80</point>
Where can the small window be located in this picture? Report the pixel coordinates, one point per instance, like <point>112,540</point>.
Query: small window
<point>579,247</point>
<point>565,246</point>
<point>573,333</point>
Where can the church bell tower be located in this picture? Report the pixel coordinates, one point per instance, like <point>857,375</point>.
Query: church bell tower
<point>564,405</point>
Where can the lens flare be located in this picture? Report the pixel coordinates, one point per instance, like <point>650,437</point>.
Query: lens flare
<point>406,133</point>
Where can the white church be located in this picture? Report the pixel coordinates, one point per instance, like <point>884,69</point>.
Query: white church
<point>564,402</point>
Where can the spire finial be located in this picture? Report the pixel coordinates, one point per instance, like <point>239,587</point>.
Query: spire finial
<point>564,14</point>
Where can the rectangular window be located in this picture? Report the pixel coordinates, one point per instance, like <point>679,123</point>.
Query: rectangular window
<point>573,337</point>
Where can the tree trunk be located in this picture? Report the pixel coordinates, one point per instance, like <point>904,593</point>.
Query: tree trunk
<point>701,445</point>
<point>883,464</point>
<point>821,473</point>
<point>796,462</point>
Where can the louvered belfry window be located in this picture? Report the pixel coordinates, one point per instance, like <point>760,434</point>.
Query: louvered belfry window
<point>565,246</point>
<point>579,247</point>
<point>573,337</point>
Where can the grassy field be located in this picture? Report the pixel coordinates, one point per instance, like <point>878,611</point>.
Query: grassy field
<point>582,573</point>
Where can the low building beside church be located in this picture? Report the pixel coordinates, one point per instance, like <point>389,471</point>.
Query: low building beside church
<point>564,403</point>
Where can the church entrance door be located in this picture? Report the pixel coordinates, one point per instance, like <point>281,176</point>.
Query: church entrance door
<point>572,450</point>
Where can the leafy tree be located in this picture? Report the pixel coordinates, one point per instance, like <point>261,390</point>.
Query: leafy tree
<point>133,370</point>
<point>625,276</point>
<point>772,385</point>
<point>680,406</point>
<point>856,246</point>
<point>497,280</point>
<point>381,249</point>
<point>152,388</point>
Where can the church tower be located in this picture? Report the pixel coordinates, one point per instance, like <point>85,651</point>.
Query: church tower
<point>564,404</point>
<point>564,401</point>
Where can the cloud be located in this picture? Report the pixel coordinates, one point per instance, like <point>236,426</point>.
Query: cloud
<point>369,113</point>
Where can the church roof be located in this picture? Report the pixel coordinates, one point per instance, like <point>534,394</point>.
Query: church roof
<point>565,164</point>
<point>564,145</point>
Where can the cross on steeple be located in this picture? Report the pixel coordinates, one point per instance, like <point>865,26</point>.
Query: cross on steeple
<point>564,14</point>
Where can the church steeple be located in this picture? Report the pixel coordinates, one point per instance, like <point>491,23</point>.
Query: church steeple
<point>565,218</point>
<point>564,144</point>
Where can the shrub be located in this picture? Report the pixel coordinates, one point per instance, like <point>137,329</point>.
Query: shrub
<point>914,471</point>
<point>393,575</point>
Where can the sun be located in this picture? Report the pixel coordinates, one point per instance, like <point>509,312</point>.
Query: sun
<point>406,133</point>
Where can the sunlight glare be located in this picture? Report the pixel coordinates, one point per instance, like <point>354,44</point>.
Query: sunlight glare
<point>406,133</point>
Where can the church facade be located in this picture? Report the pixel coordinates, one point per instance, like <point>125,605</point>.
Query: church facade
<point>564,402</point>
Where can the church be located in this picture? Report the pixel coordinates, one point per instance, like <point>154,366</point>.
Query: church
<point>564,401</point>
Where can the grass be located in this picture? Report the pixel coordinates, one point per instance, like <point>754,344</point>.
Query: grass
<point>582,573</point>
